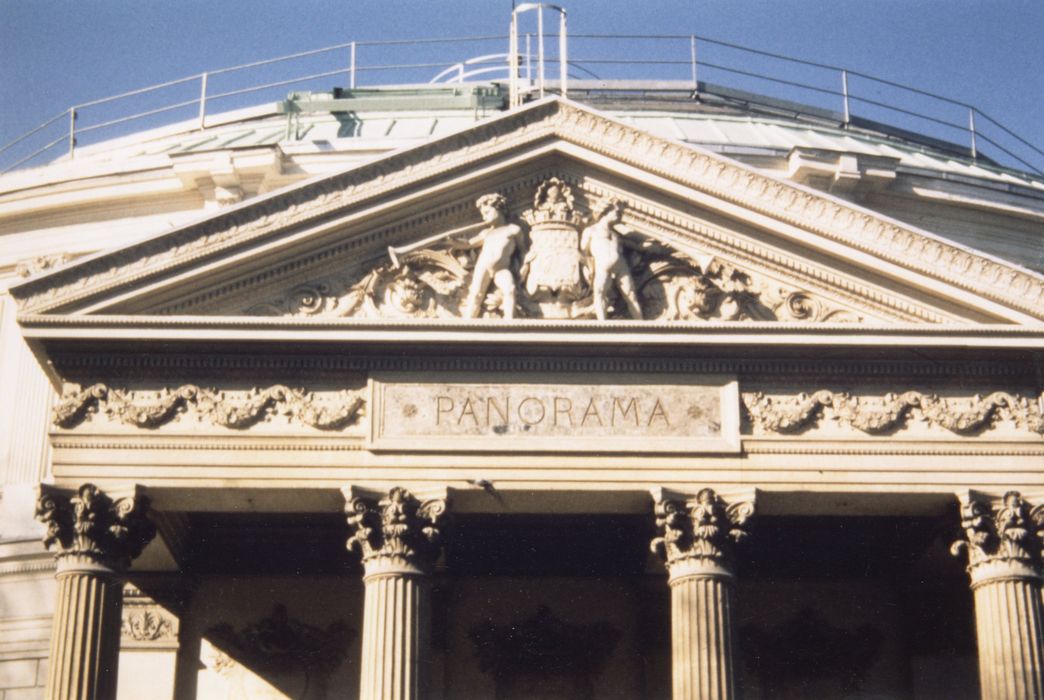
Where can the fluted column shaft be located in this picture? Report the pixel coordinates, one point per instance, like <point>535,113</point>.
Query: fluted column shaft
<point>398,538</point>
<point>1003,543</point>
<point>1010,634</point>
<point>396,618</point>
<point>95,538</point>
<point>85,639</point>
<point>695,542</point>
<point>701,636</point>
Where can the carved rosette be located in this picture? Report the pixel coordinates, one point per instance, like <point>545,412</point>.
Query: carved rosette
<point>1003,540</point>
<point>90,528</point>
<point>398,534</point>
<point>697,536</point>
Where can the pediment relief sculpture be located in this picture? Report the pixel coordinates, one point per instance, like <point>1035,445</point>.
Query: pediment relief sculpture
<point>558,260</point>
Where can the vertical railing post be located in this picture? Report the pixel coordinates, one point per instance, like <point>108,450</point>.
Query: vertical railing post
<point>202,100</point>
<point>692,56</point>
<point>72,132</point>
<point>351,67</point>
<point>529,57</point>
<point>540,46</point>
<point>844,93</point>
<point>971,129</point>
<point>514,99</point>
<point>563,60</point>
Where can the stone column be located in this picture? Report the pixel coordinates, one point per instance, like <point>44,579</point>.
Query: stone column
<point>94,538</point>
<point>398,538</point>
<point>695,543</point>
<point>1004,556</point>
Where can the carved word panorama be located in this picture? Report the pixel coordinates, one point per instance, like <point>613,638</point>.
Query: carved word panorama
<point>560,413</point>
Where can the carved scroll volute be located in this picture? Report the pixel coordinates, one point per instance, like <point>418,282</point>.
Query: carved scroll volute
<point>1003,539</point>
<point>88,527</point>
<point>397,534</point>
<point>696,536</point>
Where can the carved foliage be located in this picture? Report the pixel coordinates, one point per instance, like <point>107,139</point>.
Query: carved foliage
<point>891,412</point>
<point>144,410</point>
<point>1010,531</point>
<point>89,524</point>
<point>146,624</point>
<point>703,528</point>
<point>399,528</point>
<point>552,274</point>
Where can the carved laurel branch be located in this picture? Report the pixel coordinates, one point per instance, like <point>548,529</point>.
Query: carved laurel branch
<point>891,412</point>
<point>152,411</point>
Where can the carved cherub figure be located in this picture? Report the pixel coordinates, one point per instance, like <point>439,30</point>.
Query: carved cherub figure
<point>499,241</point>
<point>603,243</point>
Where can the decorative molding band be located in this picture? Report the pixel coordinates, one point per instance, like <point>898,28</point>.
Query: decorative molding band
<point>892,412</point>
<point>195,443</point>
<point>340,363</point>
<point>153,409</point>
<point>28,567</point>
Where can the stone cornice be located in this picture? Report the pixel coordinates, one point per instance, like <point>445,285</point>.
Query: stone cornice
<point>273,333</point>
<point>717,176</point>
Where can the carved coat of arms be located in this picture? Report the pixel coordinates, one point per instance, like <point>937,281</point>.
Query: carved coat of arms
<point>553,266</point>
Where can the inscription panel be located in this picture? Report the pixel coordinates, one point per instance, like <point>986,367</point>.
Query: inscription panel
<point>549,412</point>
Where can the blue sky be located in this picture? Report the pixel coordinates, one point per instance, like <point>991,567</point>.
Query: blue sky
<point>989,53</point>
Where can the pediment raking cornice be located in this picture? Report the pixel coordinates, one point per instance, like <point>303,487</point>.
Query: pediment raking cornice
<point>83,283</point>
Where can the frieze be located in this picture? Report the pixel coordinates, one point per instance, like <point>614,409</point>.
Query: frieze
<point>710,173</point>
<point>233,410</point>
<point>879,415</point>
<point>554,262</point>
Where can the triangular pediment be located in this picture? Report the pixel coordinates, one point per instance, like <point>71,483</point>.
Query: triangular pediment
<point>696,237</point>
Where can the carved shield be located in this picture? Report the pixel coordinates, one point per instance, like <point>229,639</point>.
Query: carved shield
<point>554,262</point>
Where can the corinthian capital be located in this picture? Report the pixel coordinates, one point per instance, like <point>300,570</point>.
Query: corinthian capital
<point>697,535</point>
<point>398,533</point>
<point>88,527</point>
<point>1003,539</point>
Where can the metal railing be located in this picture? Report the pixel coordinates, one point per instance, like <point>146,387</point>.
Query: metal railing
<point>686,62</point>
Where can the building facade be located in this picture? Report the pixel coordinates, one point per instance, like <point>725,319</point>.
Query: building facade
<point>552,402</point>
